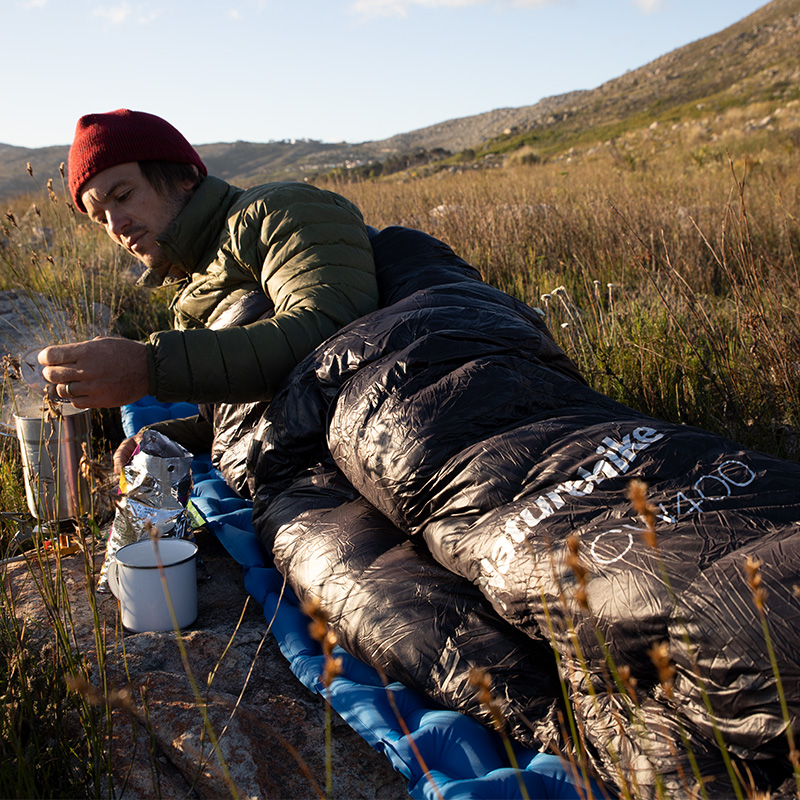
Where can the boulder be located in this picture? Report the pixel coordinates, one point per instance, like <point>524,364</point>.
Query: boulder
<point>269,727</point>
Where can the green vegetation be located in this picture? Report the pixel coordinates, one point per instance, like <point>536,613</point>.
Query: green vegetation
<point>72,284</point>
<point>665,259</point>
<point>666,265</point>
<point>389,166</point>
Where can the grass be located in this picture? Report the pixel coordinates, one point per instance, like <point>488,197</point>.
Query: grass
<point>667,268</point>
<point>674,288</point>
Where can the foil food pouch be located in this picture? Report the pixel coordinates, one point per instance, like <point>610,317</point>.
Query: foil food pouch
<point>154,488</point>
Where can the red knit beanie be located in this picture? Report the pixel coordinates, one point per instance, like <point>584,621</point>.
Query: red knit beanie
<point>105,140</point>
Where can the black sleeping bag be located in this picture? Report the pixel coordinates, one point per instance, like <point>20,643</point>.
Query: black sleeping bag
<point>421,472</point>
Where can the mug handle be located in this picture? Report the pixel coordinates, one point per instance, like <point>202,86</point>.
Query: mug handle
<point>113,578</point>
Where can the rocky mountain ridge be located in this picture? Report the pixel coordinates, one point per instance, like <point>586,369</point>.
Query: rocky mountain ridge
<point>757,58</point>
<point>247,162</point>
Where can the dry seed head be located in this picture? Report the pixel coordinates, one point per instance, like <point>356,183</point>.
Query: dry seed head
<point>52,403</point>
<point>123,698</point>
<point>153,531</point>
<point>752,567</point>
<point>480,679</point>
<point>332,670</point>
<point>117,698</point>
<point>29,168</point>
<point>637,494</point>
<point>320,632</point>
<point>90,469</point>
<point>11,367</point>
<point>318,628</point>
<point>85,689</point>
<point>313,608</point>
<point>660,656</point>
<point>628,681</point>
<point>95,476</point>
<point>11,218</point>
<point>61,169</point>
<point>573,557</point>
<point>579,570</point>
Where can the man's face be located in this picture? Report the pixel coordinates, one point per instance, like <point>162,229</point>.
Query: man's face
<point>133,212</point>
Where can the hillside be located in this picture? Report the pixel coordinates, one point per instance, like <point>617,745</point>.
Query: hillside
<point>247,163</point>
<point>755,60</point>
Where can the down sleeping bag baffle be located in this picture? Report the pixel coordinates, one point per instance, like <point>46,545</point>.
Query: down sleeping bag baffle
<point>441,478</point>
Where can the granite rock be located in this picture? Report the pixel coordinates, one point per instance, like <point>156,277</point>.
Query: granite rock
<point>269,728</point>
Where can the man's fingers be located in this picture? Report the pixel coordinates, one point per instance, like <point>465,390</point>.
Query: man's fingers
<point>102,373</point>
<point>57,354</point>
<point>60,363</point>
<point>61,374</point>
<point>124,452</point>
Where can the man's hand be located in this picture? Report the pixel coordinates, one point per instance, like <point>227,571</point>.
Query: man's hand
<point>102,373</point>
<point>124,453</point>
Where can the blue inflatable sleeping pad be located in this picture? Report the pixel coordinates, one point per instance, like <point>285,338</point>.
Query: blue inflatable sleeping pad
<point>464,760</point>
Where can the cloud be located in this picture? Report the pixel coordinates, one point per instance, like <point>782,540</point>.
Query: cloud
<point>123,12</point>
<point>114,14</point>
<point>238,14</point>
<point>150,16</point>
<point>400,8</point>
<point>649,6</point>
<point>26,4</point>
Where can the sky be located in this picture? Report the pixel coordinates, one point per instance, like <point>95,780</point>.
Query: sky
<point>331,70</point>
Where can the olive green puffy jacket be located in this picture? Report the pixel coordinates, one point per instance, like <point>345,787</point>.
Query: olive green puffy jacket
<point>306,248</point>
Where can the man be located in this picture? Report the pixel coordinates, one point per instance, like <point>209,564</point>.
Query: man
<point>301,253</point>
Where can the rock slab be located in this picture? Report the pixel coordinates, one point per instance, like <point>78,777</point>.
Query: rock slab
<point>269,728</point>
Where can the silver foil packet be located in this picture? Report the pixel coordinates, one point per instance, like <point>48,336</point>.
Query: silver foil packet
<point>155,486</point>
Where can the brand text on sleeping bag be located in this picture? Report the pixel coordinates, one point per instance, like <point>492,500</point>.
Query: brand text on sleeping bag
<point>618,455</point>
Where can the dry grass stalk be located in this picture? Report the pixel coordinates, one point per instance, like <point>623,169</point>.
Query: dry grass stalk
<point>332,667</point>
<point>660,655</point>
<point>580,571</point>
<point>481,680</point>
<point>755,581</point>
<point>321,632</point>
<point>637,494</point>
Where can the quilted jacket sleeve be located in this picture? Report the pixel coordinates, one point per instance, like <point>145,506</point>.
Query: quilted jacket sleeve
<point>310,252</point>
<point>193,433</point>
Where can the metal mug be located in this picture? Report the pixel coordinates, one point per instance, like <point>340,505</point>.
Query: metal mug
<point>136,581</point>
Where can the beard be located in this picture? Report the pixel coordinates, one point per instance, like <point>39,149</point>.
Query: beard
<point>158,267</point>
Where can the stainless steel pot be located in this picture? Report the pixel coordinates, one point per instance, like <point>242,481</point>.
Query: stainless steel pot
<point>51,457</point>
